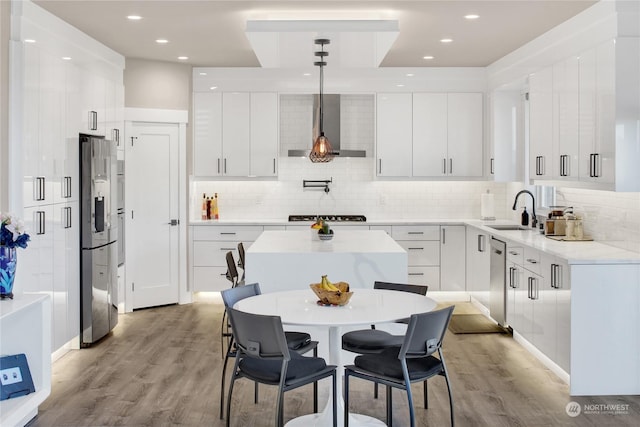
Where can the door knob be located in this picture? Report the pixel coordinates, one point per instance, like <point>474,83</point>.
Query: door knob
<point>174,222</point>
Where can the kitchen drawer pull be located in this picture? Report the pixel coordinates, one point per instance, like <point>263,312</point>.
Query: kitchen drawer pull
<point>415,232</point>
<point>482,243</point>
<point>232,233</point>
<point>532,261</point>
<point>416,249</point>
<point>416,274</point>
<point>227,249</point>
<point>514,253</point>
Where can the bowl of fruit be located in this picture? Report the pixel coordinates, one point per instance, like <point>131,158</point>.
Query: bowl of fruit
<point>324,231</point>
<point>331,293</point>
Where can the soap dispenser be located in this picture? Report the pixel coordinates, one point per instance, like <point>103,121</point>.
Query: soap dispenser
<point>525,217</point>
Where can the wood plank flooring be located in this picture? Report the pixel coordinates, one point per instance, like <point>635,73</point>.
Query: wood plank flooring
<point>161,367</point>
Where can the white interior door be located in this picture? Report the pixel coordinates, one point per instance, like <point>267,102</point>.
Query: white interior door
<point>152,205</point>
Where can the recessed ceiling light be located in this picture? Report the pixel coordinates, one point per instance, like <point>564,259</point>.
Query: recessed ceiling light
<point>446,40</point>
<point>66,58</point>
<point>29,41</point>
<point>306,74</point>
<point>134,17</point>
<point>213,87</point>
<point>427,57</point>
<point>471,16</point>
<point>183,58</point>
<point>409,74</point>
<point>162,41</point>
<point>400,85</point>
<point>203,74</point>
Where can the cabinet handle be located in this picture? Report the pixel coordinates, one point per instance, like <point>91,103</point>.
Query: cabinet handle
<point>444,236</point>
<point>491,170</point>
<point>596,165</point>
<point>93,120</point>
<point>41,222</point>
<point>115,136</point>
<point>67,217</point>
<point>40,188</point>
<point>379,166</point>
<point>66,193</point>
<point>513,253</point>
<point>227,249</point>
<point>537,165</point>
<point>532,261</point>
<point>274,165</point>
<point>415,232</point>
<point>535,289</point>
<point>218,165</point>
<point>529,287</point>
<point>481,243</point>
<point>229,233</point>
<point>224,165</point>
<point>444,166</point>
<point>450,165</point>
<point>416,274</point>
<point>562,165</point>
<point>511,277</point>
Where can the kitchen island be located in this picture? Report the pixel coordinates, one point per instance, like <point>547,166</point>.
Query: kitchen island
<point>288,260</point>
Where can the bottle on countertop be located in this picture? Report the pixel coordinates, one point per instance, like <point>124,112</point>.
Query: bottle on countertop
<point>525,217</point>
<point>204,206</point>
<point>208,207</point>
<point>214,207</point>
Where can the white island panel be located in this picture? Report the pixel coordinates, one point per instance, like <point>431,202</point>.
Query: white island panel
<point>287,260</point>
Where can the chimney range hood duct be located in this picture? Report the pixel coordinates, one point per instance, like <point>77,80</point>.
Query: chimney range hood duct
<point>331,128</point>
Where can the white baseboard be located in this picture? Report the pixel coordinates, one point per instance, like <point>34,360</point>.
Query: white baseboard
<point>550,364</point>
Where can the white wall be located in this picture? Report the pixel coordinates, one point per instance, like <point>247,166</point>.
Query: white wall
<point>4,103</point>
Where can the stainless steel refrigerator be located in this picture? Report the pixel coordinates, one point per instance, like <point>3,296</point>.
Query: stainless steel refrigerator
<point>98,235</point>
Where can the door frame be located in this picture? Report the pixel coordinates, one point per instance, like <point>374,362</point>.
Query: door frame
<point>181,118</point>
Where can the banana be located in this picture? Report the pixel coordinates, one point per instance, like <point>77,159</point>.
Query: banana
<point>327,285</point>
<point>332,287</point>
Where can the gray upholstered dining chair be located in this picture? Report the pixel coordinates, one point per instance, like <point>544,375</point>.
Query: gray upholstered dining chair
<point>241,260</point>
<point>300,342</point>
<point>232,276</point>
<point>371,341</point>
<point>264,356</point>
<point>414,361</point>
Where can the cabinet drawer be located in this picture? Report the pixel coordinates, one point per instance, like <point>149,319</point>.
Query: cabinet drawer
<point>245,233</point>
<point>210,254</point>
<point>415,232</point>
<point>429,276</point>
<point>209,279</point>
<point>515,254</point>
<point>532,260</point>
<point>421,252</point>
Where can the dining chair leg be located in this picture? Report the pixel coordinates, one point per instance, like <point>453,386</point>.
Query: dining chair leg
<point>426,397</point>
<point>315,386</point>
<point>233,380</point>
<point>346,398</point>
<point>375,390</point>
<point>255,393</point>
<point>279,412</point>
<point>335,399</point>
<point>446,377</point>
<point>389,397</point>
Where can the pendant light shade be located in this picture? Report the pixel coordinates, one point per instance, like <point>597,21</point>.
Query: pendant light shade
<point>321,152</point>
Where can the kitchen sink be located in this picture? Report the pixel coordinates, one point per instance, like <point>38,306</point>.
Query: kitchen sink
<point>509,227</point>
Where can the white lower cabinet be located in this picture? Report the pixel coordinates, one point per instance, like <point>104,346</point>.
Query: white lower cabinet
<point>209,247</point>
<point>477,265</point>
<point>452,258</point>
<point>538,301</point>
<point>422,243</point>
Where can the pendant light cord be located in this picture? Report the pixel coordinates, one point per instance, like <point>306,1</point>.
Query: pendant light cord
<point>321,91</point>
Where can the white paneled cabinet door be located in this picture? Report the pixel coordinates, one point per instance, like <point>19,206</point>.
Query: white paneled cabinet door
<point>430,134</point>
<point>393,134</point>
<point>465,134</point>
<point>70,180</point>
<point>605,143</point>
<point>452,258</point>
<point>207,134</point>
<point>478,255</point>
<point>92,114</point>
<point>565,125</point>
<point>544,316</point>
<point>264,134</point>
<point>66,285</point>
<point>541,124</point>
<point>561,280</point>
<point>587,113</point>
<point>34,181</point>
<point>236,135</point>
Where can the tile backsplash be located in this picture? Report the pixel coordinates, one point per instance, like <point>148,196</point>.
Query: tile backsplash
<point>353,190</point>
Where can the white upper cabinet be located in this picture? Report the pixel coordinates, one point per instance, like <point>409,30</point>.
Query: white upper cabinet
<point>541,124</point>
<point>565,123</point>
<point>506,146</point>
<point>207,134</point>
<point>264,134</point>
<point>605,141</point>
<point>393,134</point>
<point>93,103</point>
<point>587,112</point>
<point>430,134</point>
<point>235,134</point>
<point>465,134</point>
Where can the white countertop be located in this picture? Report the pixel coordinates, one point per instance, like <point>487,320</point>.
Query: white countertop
<point>344,241</point>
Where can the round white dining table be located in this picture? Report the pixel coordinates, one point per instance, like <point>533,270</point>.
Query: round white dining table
<point>366,307</point>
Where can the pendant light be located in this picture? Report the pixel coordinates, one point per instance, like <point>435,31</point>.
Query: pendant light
<point>321,152</point>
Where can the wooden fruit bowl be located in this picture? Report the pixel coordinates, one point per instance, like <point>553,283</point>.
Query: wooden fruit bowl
<point>325,297</point>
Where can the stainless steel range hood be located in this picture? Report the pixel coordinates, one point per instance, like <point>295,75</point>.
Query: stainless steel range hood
<point>331,127</point>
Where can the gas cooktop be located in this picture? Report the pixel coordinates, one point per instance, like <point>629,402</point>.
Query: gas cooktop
<point>336,218</point>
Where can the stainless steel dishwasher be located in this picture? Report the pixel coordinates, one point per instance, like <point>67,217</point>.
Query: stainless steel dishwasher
<point>497,282</point>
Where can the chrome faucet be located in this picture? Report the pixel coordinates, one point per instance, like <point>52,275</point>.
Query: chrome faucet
<point>534,220</point>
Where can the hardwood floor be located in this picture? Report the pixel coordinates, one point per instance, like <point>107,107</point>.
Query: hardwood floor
<point>161,367</point>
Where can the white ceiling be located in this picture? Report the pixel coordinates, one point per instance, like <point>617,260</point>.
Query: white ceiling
<point>212,33</point>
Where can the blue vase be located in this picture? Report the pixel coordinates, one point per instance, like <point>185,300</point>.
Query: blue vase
<point>8,259</point>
